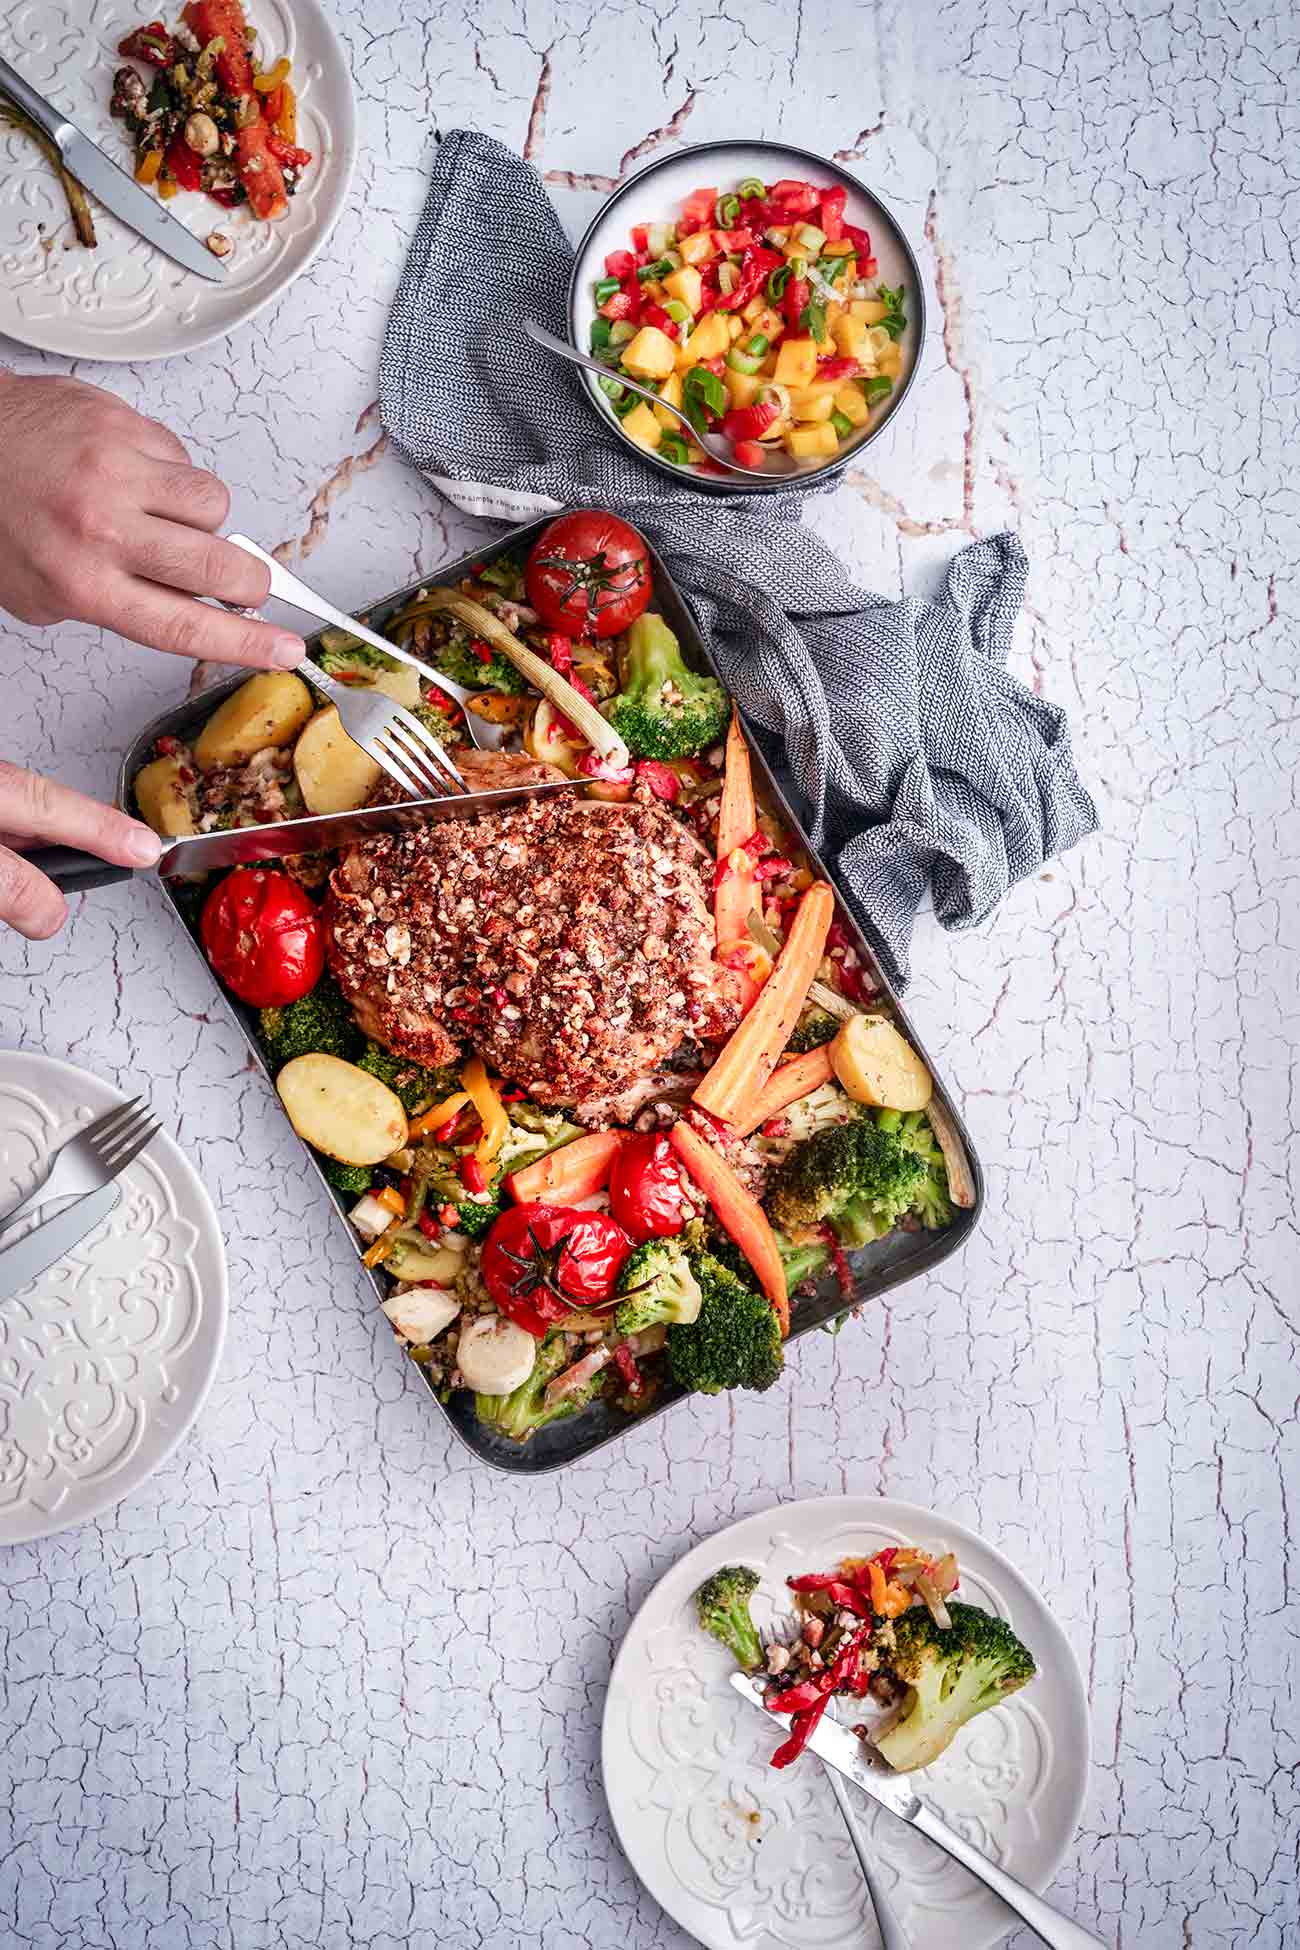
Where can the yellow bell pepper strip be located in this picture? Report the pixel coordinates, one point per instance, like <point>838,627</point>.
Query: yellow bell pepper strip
<point>274,78</point>
<point>486,1099</point>
<point>148,166</point>
<point>286,122</point>
<point>433,1120</point>
<point>376,1255</point>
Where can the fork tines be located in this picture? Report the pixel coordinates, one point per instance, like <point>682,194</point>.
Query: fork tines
<point>411,755</point>
<point>131,1128</point>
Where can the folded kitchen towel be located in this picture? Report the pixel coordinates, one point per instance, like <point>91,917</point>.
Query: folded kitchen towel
<point>916,761</point>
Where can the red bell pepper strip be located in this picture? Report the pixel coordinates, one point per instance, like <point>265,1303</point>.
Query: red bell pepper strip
<point>794,300</point>
<point>653,314</point>
<point>837,1591</point>
<point>627,1367</point>
<point>183,166</point>
<point>472,1175</point>
<point>286,153</point>
<point>841,1672</point>
<point>755,265</point>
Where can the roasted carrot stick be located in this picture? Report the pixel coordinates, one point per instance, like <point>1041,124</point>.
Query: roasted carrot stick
<point>748,1059</point>
<point>786,1085</point>
<point>739,1214</point>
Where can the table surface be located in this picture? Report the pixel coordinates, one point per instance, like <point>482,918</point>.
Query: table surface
<point>327,1680</point>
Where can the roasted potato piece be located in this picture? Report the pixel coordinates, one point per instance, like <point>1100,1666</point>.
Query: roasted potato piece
<point>402,684</point>
<point>878,1066</point>
<point>270,709</point>
<point>166,801</point>
<point>341,1110</point>
<point>333,773</point>
<point>413,1258</point>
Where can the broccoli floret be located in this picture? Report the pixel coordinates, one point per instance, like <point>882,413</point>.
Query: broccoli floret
<point>660,1288</point>
<point>855,1175</point>
<point>665,710</point>
<point>352,1179</point>
<point>932,1204</point>
<point>506,575</point>
<point>521,1413</point>
<point>722,1603</point>
<point>417,1088</point>
<point>951,1675</point>
<point>341,655</point>
<point>533,1132</point>
<point>437,723</point>
<point>456,660</point>
<point>318,1024</point>
<point>735,1342</point>
<point>801,1262</point>
<point>814,1027</point>
<point>478,1220</point>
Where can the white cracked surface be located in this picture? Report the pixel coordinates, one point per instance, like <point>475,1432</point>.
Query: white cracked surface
<point>328,1681</point>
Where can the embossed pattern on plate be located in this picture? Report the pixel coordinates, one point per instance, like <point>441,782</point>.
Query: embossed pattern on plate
<point>741,1854</point>
<point>125,300</point>
<point>107,1357</point>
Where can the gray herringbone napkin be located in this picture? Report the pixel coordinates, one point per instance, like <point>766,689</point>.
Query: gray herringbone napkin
<point>916,761</point>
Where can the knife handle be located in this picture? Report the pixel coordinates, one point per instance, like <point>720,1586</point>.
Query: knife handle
<point>25,97</point>
<point>76,873</point>
<point>1058,1931</point>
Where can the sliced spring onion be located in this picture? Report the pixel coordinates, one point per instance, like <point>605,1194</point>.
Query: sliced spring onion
<point>650,273</point>
<point>821,287</point>
<point>751,187</point>
<point>597,731</point>
<point>726,210</point>
<point>601,333</point>
<point>840,421</point>
<point>605,288</point>
<point>727,278</point>
<point>624,406</point>
<point>677,311</point>
<point>621,332</point>
<point>777,282</point>
<point>743,361</point>
<point>659,236</point>
<point>759,345</point>
<point>810,237</point>
<point>611,388</point>
<point>673,447</point>
<point>874,390</point>
<point>674,258</point>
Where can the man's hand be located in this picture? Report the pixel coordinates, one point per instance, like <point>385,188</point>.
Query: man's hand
<point>103,520</point>
<point>33,809</point>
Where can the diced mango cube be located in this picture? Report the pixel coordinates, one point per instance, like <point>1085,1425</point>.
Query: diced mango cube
<point>850,335</point>
<point>890,361</point>
<point>650,355</point>
<point>811,403</point>
<point>878,339</point>
<point>709,340</point>
<point>696,248</point>
<point>869,310</point>
<point>686,285</point>
<point>742,387</point>
<point>770,323</point>
<point>641,426</point>
<point>735,326</point>
<point>810,443</point>
<point>753,310</point>
<point>777,431</point>
<point>851,402</point>
<point>671,393</point>
<point>796,362</point>
<point>840,248</point>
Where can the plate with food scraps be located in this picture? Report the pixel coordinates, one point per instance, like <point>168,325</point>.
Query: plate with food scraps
<point>177,111</point>
<point>739,1851</point>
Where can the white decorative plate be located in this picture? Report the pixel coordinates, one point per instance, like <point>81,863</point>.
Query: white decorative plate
<point>106,1359</point>
<point>741,1854</point>
<point>125,300</point>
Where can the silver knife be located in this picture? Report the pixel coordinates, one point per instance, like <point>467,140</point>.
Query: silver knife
<point>283,839</point>
<point>110,185</point>
<point>846,1753</point>
<point>48,1242</point>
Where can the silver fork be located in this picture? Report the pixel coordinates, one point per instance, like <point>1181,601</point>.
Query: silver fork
<point>390,735</point>
<point>91,1157</point>
<point>290,589</point>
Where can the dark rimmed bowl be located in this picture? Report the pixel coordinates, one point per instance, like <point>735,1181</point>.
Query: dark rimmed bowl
<point>656,193</point>
<point>876,1268</point>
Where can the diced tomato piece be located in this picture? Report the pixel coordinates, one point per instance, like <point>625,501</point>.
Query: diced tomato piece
<point>749,422</point>
<point>619,264</point>
<point>661,779</point>
<point>749,453</point>
<point>733,240</point>
<point>183,165</point>
<point>697,211</point>
<point>837,368</point>
<point>861,242</point>
<point>831,214</point>
<point>792,195</point>
<point>656,315</point>
<point>621,305</point>
<point>640,239</point>
<point>260,173</point>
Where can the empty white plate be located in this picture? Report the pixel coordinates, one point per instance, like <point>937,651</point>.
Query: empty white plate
<point>107,1357</point>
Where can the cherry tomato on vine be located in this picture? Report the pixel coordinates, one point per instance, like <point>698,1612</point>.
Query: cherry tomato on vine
<point>543,1262</point>
<point>263,935</point>
<point>588,574</point>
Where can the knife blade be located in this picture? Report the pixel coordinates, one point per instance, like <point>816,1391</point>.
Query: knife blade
<point>111,186</point>
<point>842,1750</point>
<point>48,1242</point>
<point>283,839</point>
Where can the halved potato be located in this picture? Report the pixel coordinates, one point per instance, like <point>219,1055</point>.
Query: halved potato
<point>333,773</point>
<point>413,1258</point>
<point>878,1066</point>
<point>166,802</point>
<point>270,709</point>
<point>341,1110</point>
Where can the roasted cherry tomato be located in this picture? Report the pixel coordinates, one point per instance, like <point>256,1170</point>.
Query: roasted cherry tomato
<point>263,935</point>
<point>646,1194</point>
<point>542,1262</point>
<point>588,574</point>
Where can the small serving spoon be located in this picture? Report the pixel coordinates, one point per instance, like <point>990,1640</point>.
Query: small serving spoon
<point>715,445</point>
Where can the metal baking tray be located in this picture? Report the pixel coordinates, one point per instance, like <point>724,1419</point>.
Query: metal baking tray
<point>884,1264</point>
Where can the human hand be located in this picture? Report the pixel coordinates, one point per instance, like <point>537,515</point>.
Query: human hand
<point>108,523</point>
<point>33,808</point>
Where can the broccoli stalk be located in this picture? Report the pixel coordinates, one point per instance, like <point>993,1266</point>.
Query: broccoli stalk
<point>722,1604</point>
<point>932,1204</point>
<point>735,1342</point>
<point>857,1176</point>
<point>660,1288</point>
<point>801,1262</point>
<point>317,1024</point>
<point>665,710</point>
<point>524,1411</point>
<point>951,1674</point>
<point>417,1088</point>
